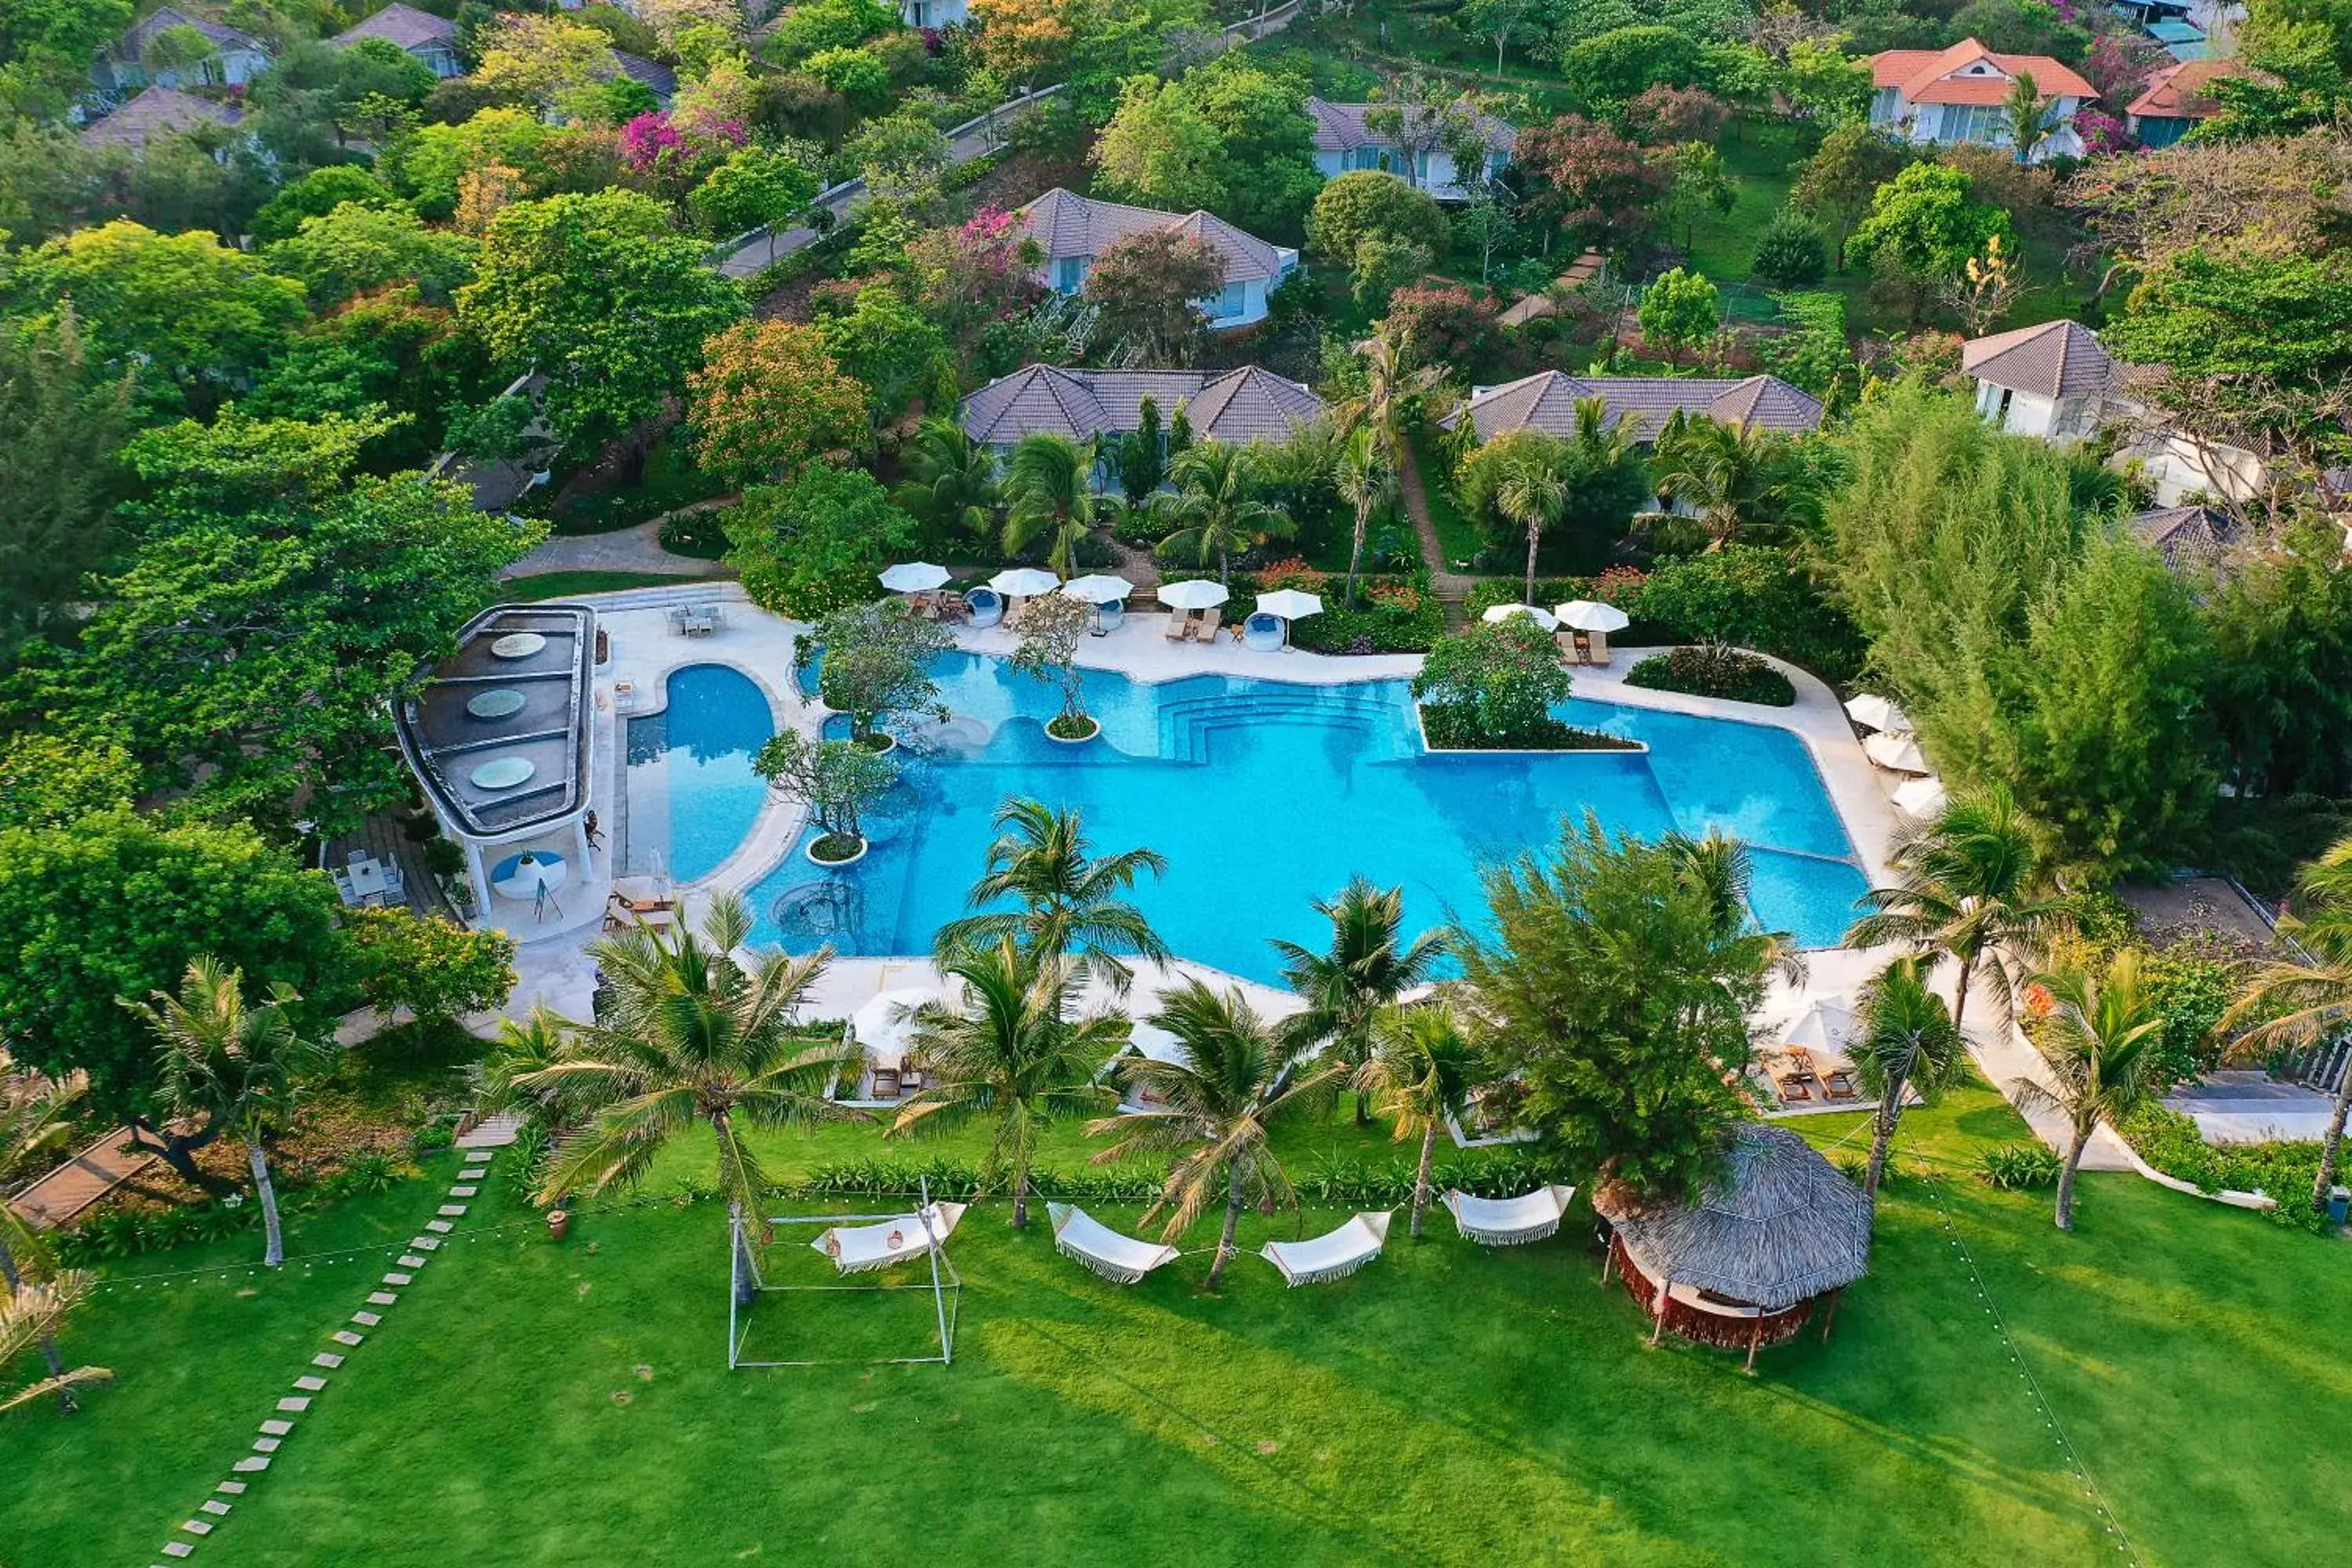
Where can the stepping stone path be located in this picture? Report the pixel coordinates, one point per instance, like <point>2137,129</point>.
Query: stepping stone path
<point>277,1429</point>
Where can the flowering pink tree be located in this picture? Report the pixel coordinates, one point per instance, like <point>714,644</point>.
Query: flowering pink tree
<point>2101,132</point>
<point>979,271</point>
<point>677,150</point>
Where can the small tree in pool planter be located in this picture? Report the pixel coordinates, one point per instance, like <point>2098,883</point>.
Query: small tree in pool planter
<point>1050,629</point>
<point>878,661</point>
<point>1493,685</point>
<point>837,780</point>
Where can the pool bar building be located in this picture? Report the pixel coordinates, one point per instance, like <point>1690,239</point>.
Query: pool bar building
<point>500,735</point>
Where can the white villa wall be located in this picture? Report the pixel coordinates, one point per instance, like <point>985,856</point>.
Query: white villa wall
<point>1941,124</point>
<point>933,13</point>
<point>1244,304</point>
<point>1437,175</point>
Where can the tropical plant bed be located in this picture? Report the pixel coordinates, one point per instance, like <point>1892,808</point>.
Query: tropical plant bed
<point>2169,1141</point>
<point>1452,727</point>
<point>1725,674</point>
<point>1072,731</point>
<point>837,850</point>
<point>880,744</point>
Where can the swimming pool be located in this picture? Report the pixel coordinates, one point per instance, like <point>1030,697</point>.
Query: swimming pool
<point>692,795</point>
<point>1264,796</point>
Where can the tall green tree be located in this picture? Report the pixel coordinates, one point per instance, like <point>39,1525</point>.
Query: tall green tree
<point>1621,1000</point>
<point>1369,485</point>
<point>1907,1043</point>
<point>1533,494</point>
<point>1739,479</point>
<point>1235,1078</point>
<point>62,422</point>
<point>1049,494</point>
<point>813,546</point>
<point>1007,1051</point>
<point>34,1314</point>
<point>1425,1064</point>
<point>951,486</point>
<point>1971,887</point>
<point>1836,186</point>
<point>236,1065</point>
<point>1072,903</point>
<point>2303,1006</point>
<point>1366,966</point>
<point>1215,508</point>
<point>2031,118</point>
<point>34,1126</point>
<point>2099,1044</point>
<point>1159,151</point>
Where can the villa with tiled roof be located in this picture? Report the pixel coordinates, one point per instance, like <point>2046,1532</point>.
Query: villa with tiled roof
<point>432,40</point>
<point>1345,141</point>
<point>1235,407</point>
<point>157,112</point>
<point>1073,230</point>
<point>2177,99</point>
<point>2051,381</point>
<point>1960,94</point>
<point>1546,401</point>
<point>239,57</point>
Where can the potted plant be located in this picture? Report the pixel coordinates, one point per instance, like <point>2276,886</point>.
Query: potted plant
<point>1050,631</point>
<point>835,780</point>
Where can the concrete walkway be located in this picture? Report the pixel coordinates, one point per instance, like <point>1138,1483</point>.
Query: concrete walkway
<point>1449,585</point>
<point>91,1172</point>
<point>636,549</point>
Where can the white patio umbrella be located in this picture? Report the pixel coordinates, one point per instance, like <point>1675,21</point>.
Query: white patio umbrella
<point>1828,1025</point>
<point>882,1025</point>
<point>1194,594</point>
<point>1922,798</point>
<point>1543,618</point>
<point>1897,753</point>
<point>1593,616</point>
<point>914,577</point>
<point>1021,581</point>
<point>1289,604</point>
<point>1876,713</point>
<point>1099,589</point>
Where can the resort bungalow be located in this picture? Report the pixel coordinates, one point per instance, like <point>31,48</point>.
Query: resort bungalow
<point>1546,401</point>
<point>433,40</point>
<point>1073,230</point>
<point>657,78</point>
<point>1959,94</point>
<point>2179,98</point>
<point>932,14</point>
<point>1235,405</point>
<point>237,57</point>
<point>2189,538</point>
<point>157,112</point>
<point>1345,144</point>
<point>501,737</point>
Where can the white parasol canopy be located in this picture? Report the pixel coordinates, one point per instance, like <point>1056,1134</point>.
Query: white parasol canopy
<point>1099,589</point>
<point>1194,594</point>
<point>1289,604</point>
<point>914,577</point>
<point>883,1024</point>
<point>1873,711</point>
<point>1923,799</point>
<point>1543,618</point>
<point>1828,1025</point>
<point>1593,616</point>
<point>1021,581</point>
<point>1897,753</point>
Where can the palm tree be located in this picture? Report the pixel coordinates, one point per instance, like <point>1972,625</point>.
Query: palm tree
<point>1425,1065</point>
<point>34,1314</point>
<point>2030,116</point>
<point>951,481</point>
<point>1968,886</point>
<point>2099,1044</point>
<point>1073,905</point>
<point>236,1065</point>
<point>1393,376</point>
<point>1735,476</point>
<point>1907,1041</point>
<point>1233,1080</point>
<point>1008,1052</point>
<point>2305,1006</point>
<point>1214,507</point>
<point>32,1124</point>
<point>688,1034</point>
<point>1722,867</point>
<point>1368,482</point>
<point>1533,494</point>
<point>1049,485</point>
<point>1365,968</point>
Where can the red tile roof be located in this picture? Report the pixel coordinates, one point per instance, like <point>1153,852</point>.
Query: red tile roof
<point>1921,75</point>
<point>2177,91</point>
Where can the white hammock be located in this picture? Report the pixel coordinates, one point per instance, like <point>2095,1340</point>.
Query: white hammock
<point>1334,1255</point>
<point>1122,1259</point>
<point>859,1249</point>
<point>1508,1221</point>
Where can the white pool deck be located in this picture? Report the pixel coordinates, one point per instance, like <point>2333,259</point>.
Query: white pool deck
<point>553,969</point>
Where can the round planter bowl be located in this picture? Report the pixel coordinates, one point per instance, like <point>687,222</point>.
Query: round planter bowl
<point>816,859</point>
<point>881,744</point>
<point>1094,729</point>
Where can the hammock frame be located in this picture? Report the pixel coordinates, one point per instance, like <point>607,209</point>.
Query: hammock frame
<point>746,1284</point>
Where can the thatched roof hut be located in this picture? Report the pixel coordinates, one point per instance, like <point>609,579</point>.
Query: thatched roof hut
<point>1744,1262</point>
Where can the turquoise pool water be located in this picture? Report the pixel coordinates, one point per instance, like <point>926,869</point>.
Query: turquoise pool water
<point>692,793</point>
<point>1265,796</point>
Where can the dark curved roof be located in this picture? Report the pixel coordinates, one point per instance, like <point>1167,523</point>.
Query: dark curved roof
<point>1546,401</point>
<point>1780,1226</point>
<point>444,742</point>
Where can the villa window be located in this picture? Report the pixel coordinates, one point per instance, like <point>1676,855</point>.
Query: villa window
<point>1228,302</point>
<point>1984,123</point>
<point>1882,109</point>
<point>1070,273</point>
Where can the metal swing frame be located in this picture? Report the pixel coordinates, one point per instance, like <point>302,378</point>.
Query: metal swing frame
<point>946,1288</point>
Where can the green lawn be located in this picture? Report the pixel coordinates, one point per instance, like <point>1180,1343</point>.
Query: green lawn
<point>543,585</point>
<point>528,1402</point>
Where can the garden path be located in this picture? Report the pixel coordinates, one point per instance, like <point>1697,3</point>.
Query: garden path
<point>635,549</point>
<point>80,1181</point>
<point>1450,585</point>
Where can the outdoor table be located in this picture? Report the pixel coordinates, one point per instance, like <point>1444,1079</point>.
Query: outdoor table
<point>367,880</point>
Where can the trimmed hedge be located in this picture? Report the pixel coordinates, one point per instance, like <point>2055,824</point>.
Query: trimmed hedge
<point>1724,673</point>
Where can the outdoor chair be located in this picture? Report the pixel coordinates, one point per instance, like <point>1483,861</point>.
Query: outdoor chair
<point>885,1083</point>
<point>1569,649</point>
<point>1179,626</point>
<point>1838,1084</point>
<point>1208,626</point>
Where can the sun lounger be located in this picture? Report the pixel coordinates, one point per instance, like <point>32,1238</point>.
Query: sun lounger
<point>1334,1255</point>
<point>1508,1221</point>
<point>1207,630</point>
<point>860,1249</point>
<point>1122,1259</point>
<point>1179,626</point>
<point>1838,1084</point>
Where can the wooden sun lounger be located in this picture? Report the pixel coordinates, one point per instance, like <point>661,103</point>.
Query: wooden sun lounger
<point>1179,626</point>
<point>1208,626</point>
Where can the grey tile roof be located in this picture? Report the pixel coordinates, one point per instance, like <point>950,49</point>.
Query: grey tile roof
<point>1546,401</point>
<point>153,112</point>
<point>133,43</point>
<point>1340,128</point>
<point>405,26</point>
<point>2187,535</point>
<point>2056,359</point>
<point>653,73</point>
<point>1067,224</point>
<point>1236,406</point>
